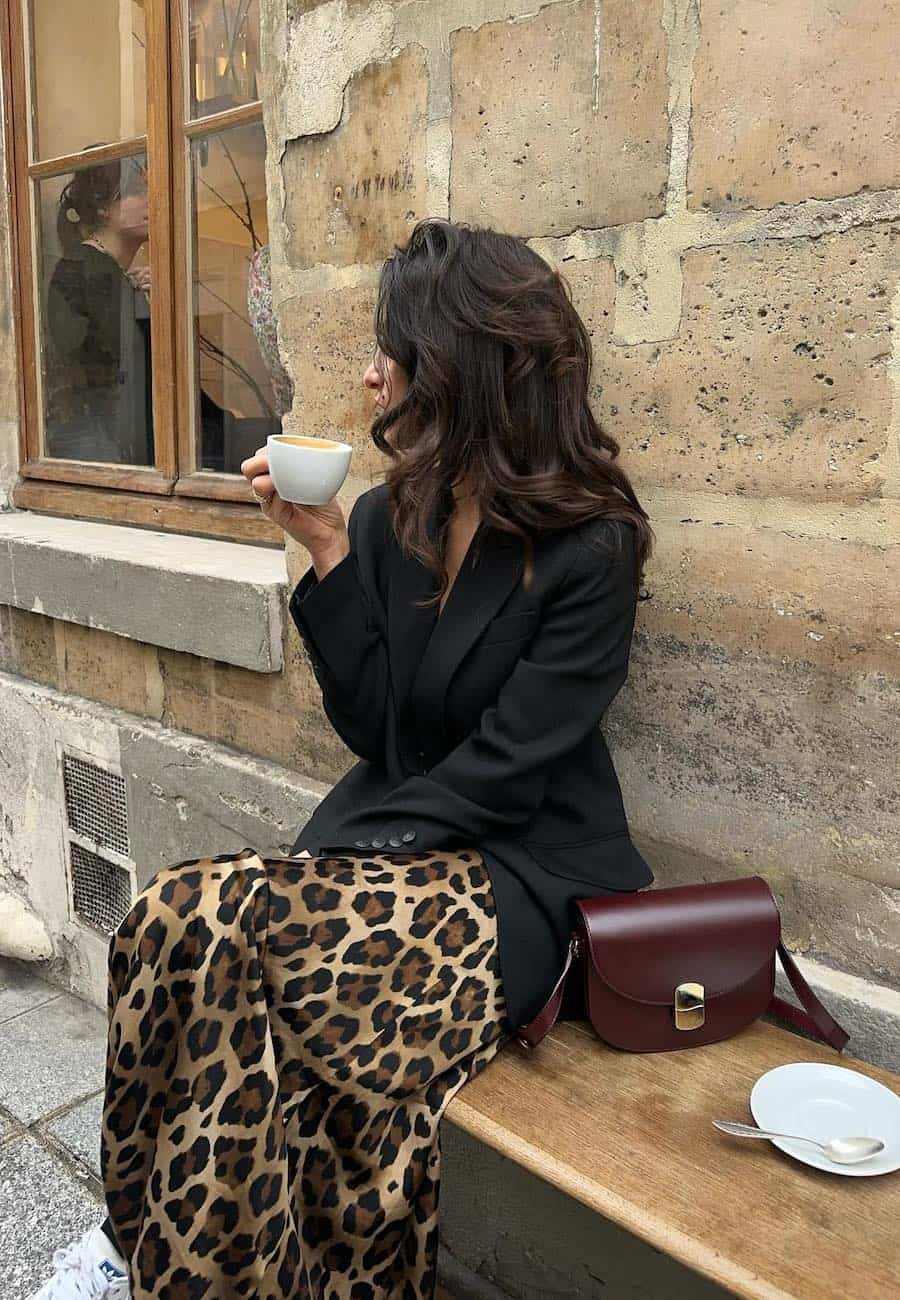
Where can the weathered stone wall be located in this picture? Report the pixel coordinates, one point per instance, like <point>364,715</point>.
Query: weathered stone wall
<point>721,187</point>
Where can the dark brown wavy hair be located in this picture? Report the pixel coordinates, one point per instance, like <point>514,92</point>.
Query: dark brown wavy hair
<point>499,364</point>
<point>90,193</point>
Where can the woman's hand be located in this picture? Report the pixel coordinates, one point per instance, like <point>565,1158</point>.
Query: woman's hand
<point>140,278</point>
<point>321,529</point>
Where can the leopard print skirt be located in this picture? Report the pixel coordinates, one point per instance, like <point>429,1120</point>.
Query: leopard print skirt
<point>284,1035</point>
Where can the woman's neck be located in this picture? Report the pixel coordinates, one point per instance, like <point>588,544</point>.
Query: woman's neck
<point>118,246</point>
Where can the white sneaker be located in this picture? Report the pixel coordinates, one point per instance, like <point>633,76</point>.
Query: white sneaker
<point>89,1269</point>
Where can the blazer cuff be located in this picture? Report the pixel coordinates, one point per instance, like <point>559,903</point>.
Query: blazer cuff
<point>331,614</point>
<point>393,833</point>
<point>400,838</point>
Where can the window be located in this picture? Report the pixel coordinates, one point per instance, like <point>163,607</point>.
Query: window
<point>148,363</point>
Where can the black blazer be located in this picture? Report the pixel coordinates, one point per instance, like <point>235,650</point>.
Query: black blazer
<point>478,727</point>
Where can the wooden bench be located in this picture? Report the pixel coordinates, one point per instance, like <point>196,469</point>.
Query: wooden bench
<point>630,1136</point>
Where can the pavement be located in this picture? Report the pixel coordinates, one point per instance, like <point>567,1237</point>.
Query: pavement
<point>52,1054</point>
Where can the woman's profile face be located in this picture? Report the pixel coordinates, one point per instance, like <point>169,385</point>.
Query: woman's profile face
<point>386,381</point>
<point>130,215</point>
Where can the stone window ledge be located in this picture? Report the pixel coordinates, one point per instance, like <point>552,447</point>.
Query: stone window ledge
<point>221,600</point>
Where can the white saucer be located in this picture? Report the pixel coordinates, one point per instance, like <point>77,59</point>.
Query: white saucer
<point>824,1101</point>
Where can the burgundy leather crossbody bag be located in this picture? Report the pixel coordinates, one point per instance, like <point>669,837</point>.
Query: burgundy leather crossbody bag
<point>681,967</point>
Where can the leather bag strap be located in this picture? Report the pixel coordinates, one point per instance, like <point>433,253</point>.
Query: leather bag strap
<point>531,1034</point>
<point>814,1019</point>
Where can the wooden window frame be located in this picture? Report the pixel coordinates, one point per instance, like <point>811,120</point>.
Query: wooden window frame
<point>174,495</point>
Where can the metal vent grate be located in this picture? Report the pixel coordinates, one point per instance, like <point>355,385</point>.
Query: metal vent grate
<point>101,891</point>
<point>95,803</point>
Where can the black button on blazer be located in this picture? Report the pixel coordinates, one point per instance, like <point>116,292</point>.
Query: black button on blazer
<point>479,727</point>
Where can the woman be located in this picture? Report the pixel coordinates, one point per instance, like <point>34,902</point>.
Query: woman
<point>97,325</point>
<point>97,321</point>
<point>285,1033</point>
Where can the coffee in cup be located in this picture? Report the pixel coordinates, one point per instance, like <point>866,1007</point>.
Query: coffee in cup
<point>307,471</point>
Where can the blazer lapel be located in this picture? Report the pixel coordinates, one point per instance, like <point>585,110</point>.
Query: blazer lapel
<point>488,574</point>
<point>425,648</point>
<point>409,626</point>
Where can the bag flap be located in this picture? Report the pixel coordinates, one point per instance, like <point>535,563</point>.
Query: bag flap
<point>644,944</point>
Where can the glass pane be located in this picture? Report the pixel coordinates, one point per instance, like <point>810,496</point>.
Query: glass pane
<point>223,55</point>
<point>89,78</point>
<point>94,313</point>
<point>240,386</point>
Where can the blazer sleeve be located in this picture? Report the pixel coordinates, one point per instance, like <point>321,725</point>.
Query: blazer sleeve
<point>346,648</point>
<point>494,781</point>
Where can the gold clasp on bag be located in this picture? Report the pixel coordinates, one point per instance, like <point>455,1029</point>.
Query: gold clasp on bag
<point>690,1009</point>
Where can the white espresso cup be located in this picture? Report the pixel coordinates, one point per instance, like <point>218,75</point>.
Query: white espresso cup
<point>307,471</point>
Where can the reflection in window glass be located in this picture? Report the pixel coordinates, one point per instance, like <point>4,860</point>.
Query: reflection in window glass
<point>95,314</point>
<point>89,73</point>
<point>242,388</point>
<point>223,55</point>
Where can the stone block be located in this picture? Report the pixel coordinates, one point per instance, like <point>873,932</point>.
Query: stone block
<point>329,340</point>
<point>188,798</point>
<point>778,380</point>
<point>353,191</point>
<point>559,120</point>
<point>106,667</point>
<point>188,691</point>
<point>244,686</point>
<point>301,740</point>
<point>182,671</point>
<point>32,642</point>
<point>793,102</point>
<point>257,729</point>
<point>773,591</point>
<point>593,288</point>
<point>191,713</point>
